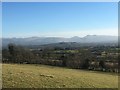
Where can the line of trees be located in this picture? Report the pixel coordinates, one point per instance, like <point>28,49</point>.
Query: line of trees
<point>83,59</point>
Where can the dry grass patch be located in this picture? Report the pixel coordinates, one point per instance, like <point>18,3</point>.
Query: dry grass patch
<point>41,76</point>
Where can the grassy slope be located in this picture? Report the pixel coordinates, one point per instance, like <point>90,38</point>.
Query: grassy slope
<point>40,76</point>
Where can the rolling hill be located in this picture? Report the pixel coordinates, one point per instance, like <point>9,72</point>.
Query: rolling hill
<point>41,76</point>
<point>49,40</point>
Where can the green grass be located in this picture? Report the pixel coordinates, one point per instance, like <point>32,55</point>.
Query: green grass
<point>41,76</point>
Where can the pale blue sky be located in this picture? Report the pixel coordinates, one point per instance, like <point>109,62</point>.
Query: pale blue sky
<point>59,19</point>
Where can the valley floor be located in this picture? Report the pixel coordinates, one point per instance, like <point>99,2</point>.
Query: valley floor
<point>42,76</point>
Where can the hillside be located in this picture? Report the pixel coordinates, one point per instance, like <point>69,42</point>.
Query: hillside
<point>41,76</point>
<point>49,40</point>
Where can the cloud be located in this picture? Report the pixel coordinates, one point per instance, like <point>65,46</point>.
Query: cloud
<point>112,32</point>
<point>67,33</point>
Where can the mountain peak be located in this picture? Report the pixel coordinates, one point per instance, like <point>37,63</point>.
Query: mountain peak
<point>75,37</point>
<point>48,40</point>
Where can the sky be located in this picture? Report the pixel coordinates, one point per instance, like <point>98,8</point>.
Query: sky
<point>60,19</point>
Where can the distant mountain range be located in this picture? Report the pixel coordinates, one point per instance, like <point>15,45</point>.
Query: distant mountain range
<point>49,40</point>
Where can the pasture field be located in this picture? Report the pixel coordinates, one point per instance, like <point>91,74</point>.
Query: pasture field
<point>43,76</point>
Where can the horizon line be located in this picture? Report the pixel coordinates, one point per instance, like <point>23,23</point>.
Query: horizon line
<point>59,36</point>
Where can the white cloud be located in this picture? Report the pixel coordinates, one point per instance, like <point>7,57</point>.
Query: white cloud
<point>112,32</point>
<point>67,33</point>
